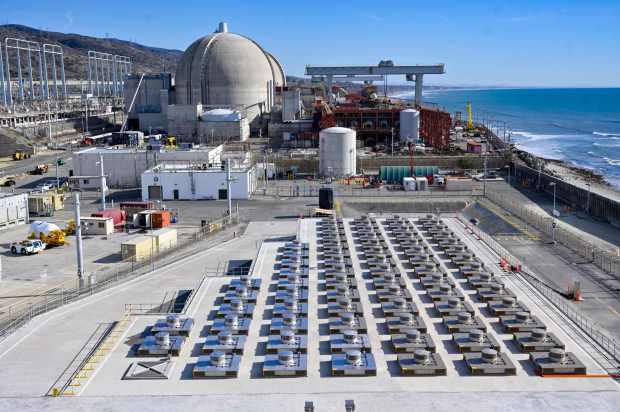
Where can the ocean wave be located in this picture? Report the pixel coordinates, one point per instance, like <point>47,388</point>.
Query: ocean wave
<point>612,162</point>
<point>535,136</point>
<point>612,135</point>
<point>610,145</point>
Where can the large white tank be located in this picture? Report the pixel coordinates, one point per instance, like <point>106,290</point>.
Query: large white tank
<point>409,125</point>
<point>337,152</point>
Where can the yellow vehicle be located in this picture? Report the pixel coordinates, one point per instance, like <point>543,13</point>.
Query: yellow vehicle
<point>171,142</point>
<point>21,155</point>
<point>70,228</point>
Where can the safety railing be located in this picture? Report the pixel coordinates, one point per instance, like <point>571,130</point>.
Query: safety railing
<point>610,345</point>
<point>553,228</point>
<point>67,292</point>
<point>293,190</point>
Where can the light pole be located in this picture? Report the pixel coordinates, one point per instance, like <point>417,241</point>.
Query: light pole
<point>508,168</point>
<point>553,224</point>
<point>392,142</point>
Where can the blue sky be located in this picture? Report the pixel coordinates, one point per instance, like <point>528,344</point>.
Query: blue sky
<point>507,43</point>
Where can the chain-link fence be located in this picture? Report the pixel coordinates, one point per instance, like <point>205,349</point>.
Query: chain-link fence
<point>550,227</point>
<point>69,291</point>
<point>611,346</point>
<point>312,190</point>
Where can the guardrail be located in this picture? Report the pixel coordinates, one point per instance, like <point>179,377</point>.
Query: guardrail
<point>548,225</point>
<point>313,191</point>
<point>590,327</point>
<point>70,291</point>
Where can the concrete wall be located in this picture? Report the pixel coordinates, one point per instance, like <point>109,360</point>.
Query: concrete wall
<point>206,184</point>
<point>600,206</point>
<point>373,164</point>
<point>239,130</point>
<point>183,121</point>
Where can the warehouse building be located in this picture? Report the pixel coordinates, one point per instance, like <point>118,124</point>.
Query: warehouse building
<point>180,182</point>
<point>123,167</point>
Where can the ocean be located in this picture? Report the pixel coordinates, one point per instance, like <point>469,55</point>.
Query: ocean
<point>578,126</point>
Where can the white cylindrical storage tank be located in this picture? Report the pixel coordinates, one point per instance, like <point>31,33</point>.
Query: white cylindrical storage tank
<point>409,125</point>
<point>337,152</point>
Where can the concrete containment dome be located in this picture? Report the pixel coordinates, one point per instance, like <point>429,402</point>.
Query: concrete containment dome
<point>337,152</point>
<point>229,70</point>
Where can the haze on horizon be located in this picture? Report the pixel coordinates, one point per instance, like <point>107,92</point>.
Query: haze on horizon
<point>483,43</point>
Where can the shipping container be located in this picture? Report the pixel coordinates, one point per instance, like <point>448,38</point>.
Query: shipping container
<point>118,216</point>
<point>97,225</point>
<point>164,239</point>
<point>409,184</point>
<point>131,208</point>
<point>160,219</point>
<point>45,204</point>
<point>138,248</point>
<point>421,184</point>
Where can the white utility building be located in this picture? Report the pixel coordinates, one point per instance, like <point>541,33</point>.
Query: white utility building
<point>13,209</point>
<point>123,167</point>
<point>337,152</point>
<point>180,182</point>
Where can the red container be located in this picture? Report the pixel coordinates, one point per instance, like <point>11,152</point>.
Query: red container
<point>118,216</point>
<point>160,218</point>
<point>131,208</point>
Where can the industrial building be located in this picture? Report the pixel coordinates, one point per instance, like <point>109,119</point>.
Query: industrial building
<point>13,209</point>
<point>123,167</point>
<point>224,86</point>
<point>193,182</point>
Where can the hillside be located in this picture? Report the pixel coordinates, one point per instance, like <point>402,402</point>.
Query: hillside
<point>76,47</point>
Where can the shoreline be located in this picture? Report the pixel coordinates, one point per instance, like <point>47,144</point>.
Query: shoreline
<point>571,173</point>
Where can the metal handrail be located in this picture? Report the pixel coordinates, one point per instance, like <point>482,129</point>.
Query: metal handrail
<point>71,291</point>
<point>588,326</point>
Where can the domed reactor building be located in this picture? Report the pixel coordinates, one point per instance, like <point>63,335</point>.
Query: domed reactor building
<point>224,85</point>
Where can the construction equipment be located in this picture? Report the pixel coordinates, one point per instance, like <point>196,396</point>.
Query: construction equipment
<point>470,120</point>
<point>70,228</point>
<point>171,142</point>
<point>48,233</point>
<point>21,155</point>
<point>39,169</point>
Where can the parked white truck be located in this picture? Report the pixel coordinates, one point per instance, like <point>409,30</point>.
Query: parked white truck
<point>27,247</point>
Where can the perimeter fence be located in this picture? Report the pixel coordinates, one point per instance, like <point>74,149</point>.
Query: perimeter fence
<point>69,291</point>
<point>609,344</point>
<point>546,224</point>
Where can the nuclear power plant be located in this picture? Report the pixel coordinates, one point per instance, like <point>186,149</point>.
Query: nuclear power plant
<point>224,236</point>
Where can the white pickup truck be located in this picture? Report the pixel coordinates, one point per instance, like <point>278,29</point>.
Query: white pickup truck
<point>27,247</point>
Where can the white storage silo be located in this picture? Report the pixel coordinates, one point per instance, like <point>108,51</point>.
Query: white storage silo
<point>409,125</point>
<point>337,152</point>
